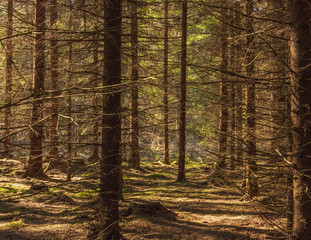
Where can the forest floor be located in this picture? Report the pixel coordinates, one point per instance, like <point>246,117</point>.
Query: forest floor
<point>154,206</point>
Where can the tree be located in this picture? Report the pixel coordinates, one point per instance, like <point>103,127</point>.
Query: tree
<point>53,148</point>
<point>300,55</point>
<point>183,87</point>
<point>165,84</point>
<point>134,159</point>
<point>110,163</point>
<point>8,84</point>
<point>36,131</point>
<point>250,96</point>
<point>223,111</point>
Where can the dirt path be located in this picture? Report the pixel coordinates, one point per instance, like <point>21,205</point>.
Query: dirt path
<point>55,209</point>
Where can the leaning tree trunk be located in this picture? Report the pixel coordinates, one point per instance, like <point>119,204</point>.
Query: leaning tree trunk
<point>300,57</point>
<point>165,86</point>
<point>134,160</point>
<point>110,163</point>
<point>251,168</point>
<point>182,118</point>
<point>35,155</point>
<point>8,83</point>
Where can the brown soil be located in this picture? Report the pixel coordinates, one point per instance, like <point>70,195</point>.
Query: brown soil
<point>155,207</point>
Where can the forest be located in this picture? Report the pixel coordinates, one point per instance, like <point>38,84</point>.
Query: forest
<point>167,119</point>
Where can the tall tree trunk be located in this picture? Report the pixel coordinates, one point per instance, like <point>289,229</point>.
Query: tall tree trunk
<point>223,111</point>
<point>300,57</point>
<point>165,85</point>
<point>183,87</point>
<point>69,102</point>
<point>8,83</point>
<point>53,148</point>
<point>110,164</point>
<point>251,171</point>
<point>134,159</point>
<point>35,155</point>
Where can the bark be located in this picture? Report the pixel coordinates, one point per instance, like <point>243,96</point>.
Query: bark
<point>69,102</point>
<point>110,164</point>
<point>300,55</point>
<point>165,83</point>
<point>8,82</point>
<point>223,111</point>
<point>35,155</point>
<point>250,98</point>
<point>53,150</point>
<point>134,159</point>
<point>183,85</point>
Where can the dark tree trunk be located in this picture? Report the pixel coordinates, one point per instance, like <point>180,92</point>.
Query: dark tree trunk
<point>165,83</point>
<point>134,160</point>
<point>53,148</point>
<point>251,171</point>
<point>35,155</point>
<point>223,111</point>
<point>300,57</point>
<point>182,118</point>
<point>110,164</point>
<point>8,83</point>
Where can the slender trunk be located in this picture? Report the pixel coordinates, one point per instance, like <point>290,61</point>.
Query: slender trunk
<point>251,171</point>
<point>165,83</point>
<point>8,83</point>
<point>110,164</point>
<point>183,87</point>
<point>134,160</point>
<point>69,102</point>
<point>95,147</point>
<point>223,111</point>
<point>53,150</point>
<point>300,55</point>
<point>35,155</point>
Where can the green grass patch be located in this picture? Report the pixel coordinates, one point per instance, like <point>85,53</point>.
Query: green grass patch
<point>14,225</point>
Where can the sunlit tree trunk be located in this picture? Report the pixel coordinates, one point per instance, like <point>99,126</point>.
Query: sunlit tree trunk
<point>110,164</point>
<point>53,146</point>
<point>134,160</point>
<point>182,118</point>
<point>250,98</point>
<point>35,155</point>
<point>300,57</point>
<point>8,84</point>
<point>165,85</point>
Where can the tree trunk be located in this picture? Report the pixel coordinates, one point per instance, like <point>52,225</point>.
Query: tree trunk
<point>53,148</point>
<point>223,111</point>
<point>110,164</point>
<point>134,159</point>
<point>300,55</point>
<point>251,171</point>
<point>8,83</point>
<point>183,85</point>
<point>35,155</point>
<point>165,83</point>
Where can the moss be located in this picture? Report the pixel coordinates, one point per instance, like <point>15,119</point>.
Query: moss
<point>15,224</point>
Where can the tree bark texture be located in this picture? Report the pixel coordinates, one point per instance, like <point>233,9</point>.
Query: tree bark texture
<point>135,159</point>
<point>110,164</point>
<point>165,85</point>
<point>300,57</point>
<point>250,98</point>
<point>53,146</point>
<point>36,131</point>
<point>223,93</point>
<point>8,82</point>
<point>183,85</point>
